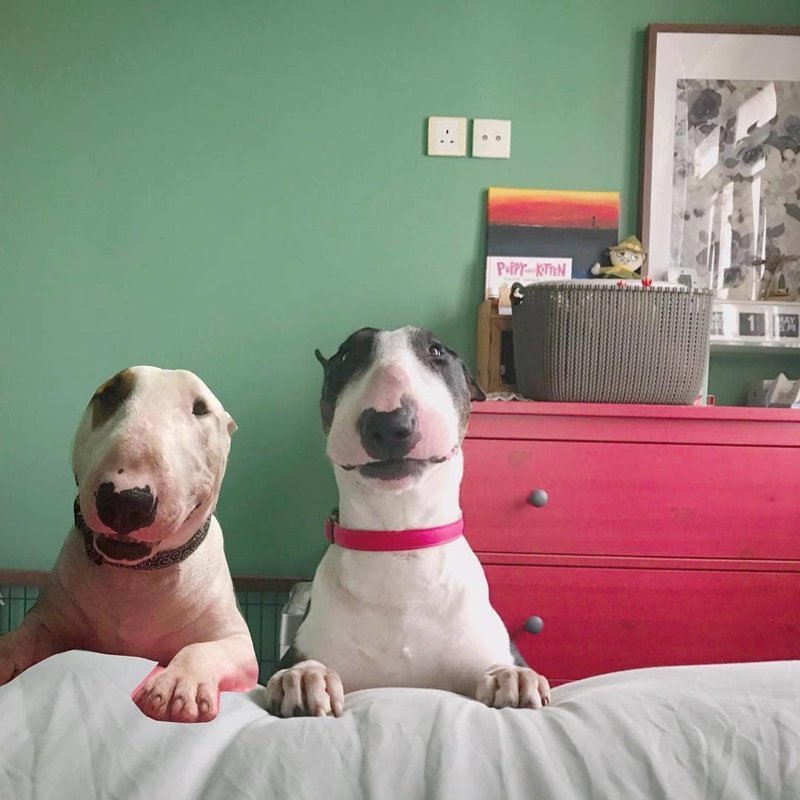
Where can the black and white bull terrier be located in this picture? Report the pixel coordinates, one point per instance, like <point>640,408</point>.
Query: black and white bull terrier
<point>399,598</point>
<point>143,572</point>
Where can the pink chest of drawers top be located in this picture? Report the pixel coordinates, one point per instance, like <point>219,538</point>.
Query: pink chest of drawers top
<point>777,427</point>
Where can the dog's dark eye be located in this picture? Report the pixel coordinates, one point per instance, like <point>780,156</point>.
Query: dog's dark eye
<point>343,356</point>
<point>436,350</point>
<point>200,409</point>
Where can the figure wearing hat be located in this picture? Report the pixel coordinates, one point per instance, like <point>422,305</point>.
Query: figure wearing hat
<point>626,257</point>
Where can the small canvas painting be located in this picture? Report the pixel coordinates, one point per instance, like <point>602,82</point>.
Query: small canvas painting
<point>539,234</point>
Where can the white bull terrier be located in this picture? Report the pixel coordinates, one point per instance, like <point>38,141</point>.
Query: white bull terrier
<point>143,572</point>
<point>399,598</point>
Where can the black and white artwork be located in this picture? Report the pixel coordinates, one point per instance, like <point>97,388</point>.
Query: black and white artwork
<point>736,181</point>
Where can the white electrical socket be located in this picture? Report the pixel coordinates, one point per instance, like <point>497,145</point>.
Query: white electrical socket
<point>447,136</point>
<point>491,138</point>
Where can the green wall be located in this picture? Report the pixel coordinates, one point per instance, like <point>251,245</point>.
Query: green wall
<point>225,186</point>
<point>730,372</point>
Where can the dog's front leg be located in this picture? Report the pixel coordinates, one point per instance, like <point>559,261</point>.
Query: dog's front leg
<point>187,689</point>
<point>308,688</point>
<point>31,643</point>
<point>510,686</point>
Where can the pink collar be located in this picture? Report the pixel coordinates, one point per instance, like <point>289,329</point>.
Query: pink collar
<point>383,541</point>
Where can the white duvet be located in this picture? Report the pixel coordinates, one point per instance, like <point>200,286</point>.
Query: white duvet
<point>68,730</point>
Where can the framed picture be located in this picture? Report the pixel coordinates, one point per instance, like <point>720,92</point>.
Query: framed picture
<point>720,197</point>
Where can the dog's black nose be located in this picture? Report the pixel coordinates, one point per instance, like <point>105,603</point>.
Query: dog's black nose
<point>127,510</point>
<point>389,434</point>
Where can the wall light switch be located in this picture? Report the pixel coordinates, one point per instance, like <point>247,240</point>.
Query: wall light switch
<point>491,138</point>
<point>447,136</point>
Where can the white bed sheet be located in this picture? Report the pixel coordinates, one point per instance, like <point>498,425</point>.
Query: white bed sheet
<point>68,730</point>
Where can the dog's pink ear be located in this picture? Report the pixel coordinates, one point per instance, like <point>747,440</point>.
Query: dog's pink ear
<point>232,426</point>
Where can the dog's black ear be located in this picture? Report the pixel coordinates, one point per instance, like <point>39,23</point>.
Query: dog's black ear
<point>475,391</point>
<point>321,358</point>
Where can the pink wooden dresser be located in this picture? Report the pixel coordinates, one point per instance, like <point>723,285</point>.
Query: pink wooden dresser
<point>637,536</point>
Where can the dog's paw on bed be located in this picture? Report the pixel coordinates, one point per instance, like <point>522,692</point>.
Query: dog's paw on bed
<point>174,695</point>
<point>308,689</point>
<point>513,687</point>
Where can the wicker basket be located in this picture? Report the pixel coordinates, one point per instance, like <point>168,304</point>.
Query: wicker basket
<point>597,342</point>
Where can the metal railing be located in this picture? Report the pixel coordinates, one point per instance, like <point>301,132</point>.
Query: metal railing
<point>260,599</point>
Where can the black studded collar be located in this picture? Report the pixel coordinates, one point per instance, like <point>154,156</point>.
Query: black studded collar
<point>165,558</point>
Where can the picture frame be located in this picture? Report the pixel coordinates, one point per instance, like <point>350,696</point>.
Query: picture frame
<point>720,169</point>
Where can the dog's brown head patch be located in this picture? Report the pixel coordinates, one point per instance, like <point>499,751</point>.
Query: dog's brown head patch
<point>110,396</point>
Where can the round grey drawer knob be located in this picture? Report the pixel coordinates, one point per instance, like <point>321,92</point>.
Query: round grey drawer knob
<point>534,624</point>
<point>538,498</point>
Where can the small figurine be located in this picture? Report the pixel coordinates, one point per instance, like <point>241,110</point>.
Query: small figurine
<point>626,258</point>
<point>781,279</point>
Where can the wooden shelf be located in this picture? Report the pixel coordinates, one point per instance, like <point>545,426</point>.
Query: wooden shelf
<point>495,356</point>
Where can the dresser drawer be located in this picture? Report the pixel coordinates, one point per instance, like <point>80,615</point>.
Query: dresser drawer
<point>629,499</point>
<point>604,619</point>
